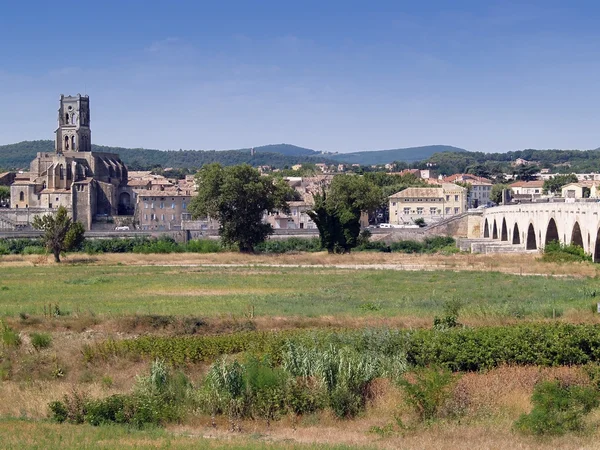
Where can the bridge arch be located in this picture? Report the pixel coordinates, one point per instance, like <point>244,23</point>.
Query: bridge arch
<point>516,238</point>
<point>576,236</point>
<point>596,255</point>
<point>495,231</point>
<point>504,232</point>
<point>486,229</point>
<point>551,232</point>
<point>531,243</point>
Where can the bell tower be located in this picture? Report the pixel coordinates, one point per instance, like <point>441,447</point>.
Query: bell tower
<point>73,133</point>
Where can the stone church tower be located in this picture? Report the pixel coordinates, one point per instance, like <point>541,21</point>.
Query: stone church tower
<point>73,133</point>
<point>91,185</point>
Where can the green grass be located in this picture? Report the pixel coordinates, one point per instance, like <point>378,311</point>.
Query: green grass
<point>25,434</point>
<point>210,292</point>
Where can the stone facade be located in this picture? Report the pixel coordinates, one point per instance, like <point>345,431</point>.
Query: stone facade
<point>430,203</point>
<point>89,184</point>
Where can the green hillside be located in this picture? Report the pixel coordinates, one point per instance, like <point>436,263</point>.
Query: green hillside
<point>408,155</point>
<point>20,155</point>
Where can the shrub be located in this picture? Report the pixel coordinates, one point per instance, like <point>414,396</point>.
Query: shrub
<point>203,246</point>
<point>10,338</point>
<point>157,398</point>
<point>428,391</point>
<point>556,252</point>
<point>163,244</point>
<point>40,340</point>
<point>293,244</point>
<point>557,408</point>
<point>72,409</point>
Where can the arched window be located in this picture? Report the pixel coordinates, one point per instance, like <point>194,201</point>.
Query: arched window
<point>73,142</point>
<point>66,142</point>
<point>66,118</point>
<point>61,172</point>
<point>21,196</point>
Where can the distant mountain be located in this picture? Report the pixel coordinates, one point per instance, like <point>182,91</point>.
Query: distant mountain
<point>286,149</point>
<point>408,155</point>
<point>19,155</point>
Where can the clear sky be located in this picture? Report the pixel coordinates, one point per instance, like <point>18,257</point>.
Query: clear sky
<point>334,75</point>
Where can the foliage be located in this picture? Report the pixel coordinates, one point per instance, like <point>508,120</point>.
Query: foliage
<point>19,155</point>
<point>558,408</point>
<point>292,244</point>
<point>17,246</point>
<point>40,341</point>
<point>237,197</point>
<point>60,232</point>
<point>337,211</point>
<point>427,391</point>
<point>4,194</point>
<point>420,222</point>
<point>556,252</point>
<point>496,193</point>
<point>459,349</point>
<point>554,184</point>
<point>157,398</point>
<point>10,338</point>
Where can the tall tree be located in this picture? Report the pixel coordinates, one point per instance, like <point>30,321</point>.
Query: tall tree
<point>337,211</point>
<point>238,196</point>
<point>4,194</point>
<point>60,232</point>
<point>554,184</point>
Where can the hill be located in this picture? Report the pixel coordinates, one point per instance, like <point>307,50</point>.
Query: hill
<point>19,155</point>
<point>408,155</point>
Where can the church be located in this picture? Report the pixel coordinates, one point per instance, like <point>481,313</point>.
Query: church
<point>91,185</point>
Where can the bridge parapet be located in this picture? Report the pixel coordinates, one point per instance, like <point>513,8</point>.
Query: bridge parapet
<point>533,225</point>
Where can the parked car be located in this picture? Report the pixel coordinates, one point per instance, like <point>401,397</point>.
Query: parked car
<point>123,228</point>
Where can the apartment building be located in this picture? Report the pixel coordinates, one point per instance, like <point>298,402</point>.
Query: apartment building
<point>430,203</point>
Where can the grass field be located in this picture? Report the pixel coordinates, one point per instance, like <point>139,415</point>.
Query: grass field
<point>104,297</point>
<point>274,292</point>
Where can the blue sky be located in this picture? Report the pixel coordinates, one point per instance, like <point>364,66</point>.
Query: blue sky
<point>329,75</point>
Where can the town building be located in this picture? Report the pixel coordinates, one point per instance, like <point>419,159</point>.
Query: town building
<point>527,188</point>
<point>91,185</point>
<point>162,210</point>
<point>430,203</point>
<point>582,189</point>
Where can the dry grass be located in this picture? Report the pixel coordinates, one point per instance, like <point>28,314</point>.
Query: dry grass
<point>506,263</point>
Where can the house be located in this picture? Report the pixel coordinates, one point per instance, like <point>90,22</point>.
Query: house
<point>429,203</point>
<point>529,188</point>
<point>583,189</point>
<point>161,210</point>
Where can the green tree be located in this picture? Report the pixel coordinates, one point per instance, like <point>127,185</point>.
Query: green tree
<point>526,173</point>
<point>338,209</point>
<point>238,196</point>
<point>60,232</point>
<point>496,193</point>
<point>555,183</point>
<point>4,194</point>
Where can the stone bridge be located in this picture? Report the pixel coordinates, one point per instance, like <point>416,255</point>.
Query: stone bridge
<point>533,225</point>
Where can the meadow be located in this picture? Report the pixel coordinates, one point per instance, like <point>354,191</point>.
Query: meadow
<point>212,292</point>
<point>319,344</point>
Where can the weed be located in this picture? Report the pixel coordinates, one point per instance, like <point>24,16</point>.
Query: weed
<point>428,390</point>
<point>40,340</point>
<point>558,408</point>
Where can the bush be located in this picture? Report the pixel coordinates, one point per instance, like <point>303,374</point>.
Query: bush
<point>556,252</point>
<point>293,244</point>
<point>40,340</point>
<point>428,391</point>
<point>164,244</point>
<point>157,398</point>
<point>10,338</point>
<point>203,246</point>
<point>558,408</point>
